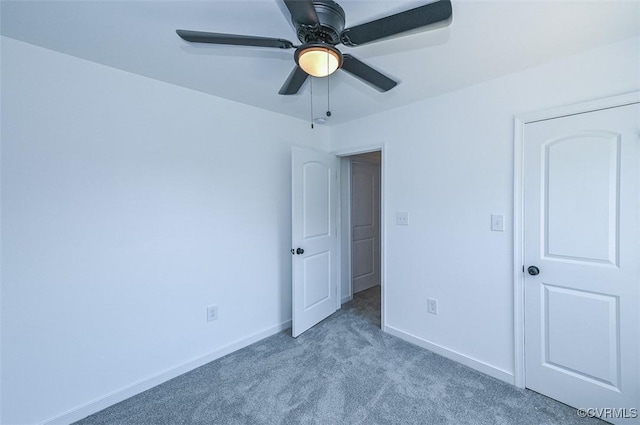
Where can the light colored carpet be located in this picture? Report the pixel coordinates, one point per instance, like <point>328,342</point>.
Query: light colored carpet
<point>345,370</point>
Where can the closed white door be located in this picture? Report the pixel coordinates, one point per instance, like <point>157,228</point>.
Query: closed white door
<point>365,225</point>
<point>582,260</point>
<point>314,200</point>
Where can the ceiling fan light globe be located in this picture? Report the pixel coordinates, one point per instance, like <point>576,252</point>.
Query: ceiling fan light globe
<point>319,61</point>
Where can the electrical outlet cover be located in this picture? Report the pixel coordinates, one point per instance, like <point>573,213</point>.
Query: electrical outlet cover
<point>212,313</point>
<point>402,218</point>
<point>432,306</point>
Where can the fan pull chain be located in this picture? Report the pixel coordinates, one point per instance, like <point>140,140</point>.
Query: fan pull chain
<point>328,79</point>
<point>311,96</point>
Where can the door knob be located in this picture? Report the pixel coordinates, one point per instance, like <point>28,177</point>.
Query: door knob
<point>533,270</point>
<point>299,251</point>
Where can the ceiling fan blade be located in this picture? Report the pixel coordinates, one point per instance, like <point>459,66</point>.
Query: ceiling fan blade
<point>302,11</point>
<point>297,77</point>
<point>366,73</point>
<point>233,39</point>
<point>395,24</point>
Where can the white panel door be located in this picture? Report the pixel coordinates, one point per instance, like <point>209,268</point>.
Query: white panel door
<point>582,233</point>
<point>314,200</point>
<point>365,225</point>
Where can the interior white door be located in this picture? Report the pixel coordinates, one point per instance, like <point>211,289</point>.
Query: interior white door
<point>314,200</point>
<point>582,233</point>
<point>365,224</point>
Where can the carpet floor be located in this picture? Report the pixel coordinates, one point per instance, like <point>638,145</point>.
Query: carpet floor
<point>344,370</point>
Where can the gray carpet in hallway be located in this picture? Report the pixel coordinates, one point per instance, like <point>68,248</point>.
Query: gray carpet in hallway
<point>345,370</point>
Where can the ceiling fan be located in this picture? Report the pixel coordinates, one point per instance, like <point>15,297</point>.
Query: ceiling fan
<point>320,26</point>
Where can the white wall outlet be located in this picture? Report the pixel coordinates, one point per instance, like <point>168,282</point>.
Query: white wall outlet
<point>212,313</point>
<point>402,218</point>
<point>432,306</point>
<point>497,222</point>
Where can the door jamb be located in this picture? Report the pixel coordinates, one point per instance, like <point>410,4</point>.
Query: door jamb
<point>344,242</point>
<point>346,227</point>
<point>518,208</point>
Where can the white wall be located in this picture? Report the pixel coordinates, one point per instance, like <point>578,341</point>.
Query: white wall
<point>449,163</point>
<point>128,206</point>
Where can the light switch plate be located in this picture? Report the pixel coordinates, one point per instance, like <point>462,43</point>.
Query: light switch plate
<point>402,218</point>
<point>497,222</point>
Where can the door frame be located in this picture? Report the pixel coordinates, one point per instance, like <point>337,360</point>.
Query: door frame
<point>518,208</point>
<point>344,223</point>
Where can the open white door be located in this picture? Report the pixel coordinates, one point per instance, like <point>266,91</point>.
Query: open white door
<point>314,200</point>
<point>365,223</point>
<point>582,246</point>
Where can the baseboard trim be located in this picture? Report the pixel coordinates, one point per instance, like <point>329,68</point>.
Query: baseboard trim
<point>124,393</point>
<point>478,365</point>
<point>346,299</point>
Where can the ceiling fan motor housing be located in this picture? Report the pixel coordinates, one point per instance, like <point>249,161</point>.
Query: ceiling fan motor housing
<point>332,20</point>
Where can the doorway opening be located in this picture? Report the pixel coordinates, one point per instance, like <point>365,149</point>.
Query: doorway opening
<point>361,235</point>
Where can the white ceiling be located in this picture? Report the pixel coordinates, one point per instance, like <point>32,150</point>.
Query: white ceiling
<point>485,40</point>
